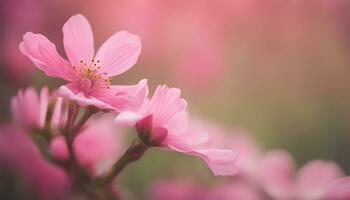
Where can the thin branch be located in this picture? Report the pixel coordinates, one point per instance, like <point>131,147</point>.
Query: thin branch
<point>133,153</point>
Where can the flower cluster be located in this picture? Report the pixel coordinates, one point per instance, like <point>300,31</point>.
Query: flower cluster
<point>80,123</point>
<point>68,142</point>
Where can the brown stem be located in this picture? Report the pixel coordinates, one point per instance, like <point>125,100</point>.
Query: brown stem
<point>71,131</point>
<point>72,115</point>
<point>88,113</point>
<point>133,153</point>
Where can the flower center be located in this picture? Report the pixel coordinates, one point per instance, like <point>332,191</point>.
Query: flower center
<point>89,79</point>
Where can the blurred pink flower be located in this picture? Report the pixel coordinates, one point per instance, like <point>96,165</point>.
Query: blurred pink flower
<point>236,191</point>
<point>248,150</point>
<point>276,173</point>
<point>174,190</point>
<point>18,152</point>
<point>280,180</point>
<point>162,121</point>
<point>182,190</point>
<point>97,147</point>
<point>29,109</point>
<point>237,140</point>
<point>339,189</point>
<point>88,76</point>
<point>314,178</point>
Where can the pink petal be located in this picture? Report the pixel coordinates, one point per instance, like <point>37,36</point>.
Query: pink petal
<point>105,138</point>
<point>119,53</point>
<point>127,118</point>
<point>18,152</point>
<point>44,55</point>
<point>179,123</point>
<point>314,178</point>
<point>59,149</point>
<point>57,113</point>
<point>125,98</point>
<point>276,174</point>
<point>165,104</point>
<point>248,151</point>
<point>78,40</point>
<point>238,190</point>
<point>339,189</point>
<point>44,104</point>
<point>70,92</point>
<point>25,108</point>
<point>221,161</point>
<point>15,110</point>
<point>174,190</point>
<point>186,140</point>
<point>101,134</point>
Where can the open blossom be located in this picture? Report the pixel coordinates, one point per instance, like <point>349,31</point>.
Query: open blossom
<point>89,75</point>
<point>162,121</point>
<point>29,109</point>
<point>97,147</point>
<point>280,180</point>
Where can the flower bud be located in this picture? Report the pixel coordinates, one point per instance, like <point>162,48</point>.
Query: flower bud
<point>152,136</point>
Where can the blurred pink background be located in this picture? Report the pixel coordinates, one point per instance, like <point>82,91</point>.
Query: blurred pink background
<point>279,69</point>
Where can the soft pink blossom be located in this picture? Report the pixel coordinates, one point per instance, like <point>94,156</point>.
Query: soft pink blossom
<point>248,150</point>
<point>173,190</point>
<point>162,121</point>
<point>276,172</point>
<point>237,140</point>
<point>314,178</point>
<point>19,153</point>
<point>236,191</point>
<point>89,75</point>
<point>168,190</point>
<point>97,147</point>
<point>29,109</point>
<point>339,189</point>
<point>280,179</point>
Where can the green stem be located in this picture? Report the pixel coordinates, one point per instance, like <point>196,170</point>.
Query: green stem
<point>133,153</point>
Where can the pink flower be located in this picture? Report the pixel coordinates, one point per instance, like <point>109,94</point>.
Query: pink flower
<point>339,189</point>
<point>89,76</point>
<point>314,178</point>
<point>29,109</point>
<point>248,150</point>
<point>280,179</point>
<point>162,121</point>
<point>19,153</point>
<point>184,190</point>
<point>237,140</point>
<point>97,147</point>
<point>173,190</point>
